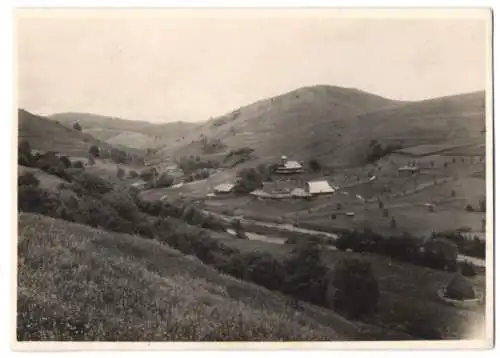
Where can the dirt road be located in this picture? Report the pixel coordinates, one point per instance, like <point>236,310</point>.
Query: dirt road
<point>293,229</point>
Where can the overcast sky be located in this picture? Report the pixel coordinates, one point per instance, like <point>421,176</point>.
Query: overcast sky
<point>168,68</point>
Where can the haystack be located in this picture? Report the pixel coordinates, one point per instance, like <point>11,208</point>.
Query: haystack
<point>460,289</point>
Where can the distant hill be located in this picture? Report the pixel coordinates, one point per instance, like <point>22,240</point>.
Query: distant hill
<point>45,134</point>
<point>337,124</point>
<point>118,131</point>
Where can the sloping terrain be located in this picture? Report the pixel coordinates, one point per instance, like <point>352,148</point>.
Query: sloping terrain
<point>79,283</point>
<point>118,131</point>
<point>46,135</point>
<point>337,125</point>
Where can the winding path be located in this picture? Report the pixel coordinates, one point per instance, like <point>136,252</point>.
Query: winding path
<point>290,228</point>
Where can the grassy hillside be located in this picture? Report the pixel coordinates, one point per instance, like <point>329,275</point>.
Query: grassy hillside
<point>118,131</point>
<point>337,124</point>
<point>46,135</point>
<point>78,283</point>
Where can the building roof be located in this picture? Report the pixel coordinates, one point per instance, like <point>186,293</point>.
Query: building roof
<point>139,183</point>
<point>408,168</point>
<point>224,188</point>
<point>319,187</point>
<point>290,165</point>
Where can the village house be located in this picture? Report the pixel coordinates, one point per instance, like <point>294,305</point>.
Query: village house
<point>320,187</point>
<point>286,166</point>
<point>224,189</point>
<point>408,170</point>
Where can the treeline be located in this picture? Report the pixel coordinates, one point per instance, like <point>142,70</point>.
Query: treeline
<point>439,252</point>
<point>377,151</point>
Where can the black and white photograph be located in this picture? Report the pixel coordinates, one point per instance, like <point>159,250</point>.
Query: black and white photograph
<point>253,175</point>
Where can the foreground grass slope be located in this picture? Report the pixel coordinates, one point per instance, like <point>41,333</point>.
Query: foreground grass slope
<point>79,283</point>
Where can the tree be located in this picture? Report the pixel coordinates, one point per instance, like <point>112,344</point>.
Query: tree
<point>460,289</point>
<point>120,173</point>
<point>28,179</point>
<point>164,180</point>
<point>94,151</point>
<point>306,275</point>
<point>65,161</point>
<point>119,156</point>
<point>353,289</point>
<point>133,174</point>
<point>482,205</point>
<point>77,126</point>
<point>315,165</point>
<point>249,181</point>
<point>24,156</point>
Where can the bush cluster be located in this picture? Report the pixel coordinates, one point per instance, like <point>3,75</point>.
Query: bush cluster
<point>249,180</point>
<point>436,253</point>
<point>466,246</point>
<point>377,151</point>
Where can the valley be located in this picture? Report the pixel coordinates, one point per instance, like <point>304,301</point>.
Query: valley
<point>150,223</point>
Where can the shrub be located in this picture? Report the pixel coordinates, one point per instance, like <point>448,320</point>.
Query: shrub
<point>120,173</point>
<point>147,174</point>
<point>24,156</point>
<point>36,200</point>
<point>28,179</point>
<point>65,161</point>
<point>94,151</point>
<point>263,269</point>
<point>305,274</point>
<point>482,205</point>
<point>265,172</point>
<point>238,228</point>
<point>469,207</point>
<point>377,151</point>
<point>123,203</point>
<point>354,288</point>
<point>164,180</point>
<point>78,164</point>
<point>77,126</point>
<point>93,184</point>
<point>133,174</point>
<point>119,156</point>
<point>249,181</point>
<point>315,165</point>
<point>145,229</point>
<point>440,254</point>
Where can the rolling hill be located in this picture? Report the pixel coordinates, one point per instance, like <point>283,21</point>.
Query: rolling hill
<point>118,131</point>
<point>337,124</point>
<point>46,135</point>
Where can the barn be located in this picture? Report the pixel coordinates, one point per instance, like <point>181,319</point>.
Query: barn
<point>289,166</point>
<point>320,187</point>
<point>224,188</point>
